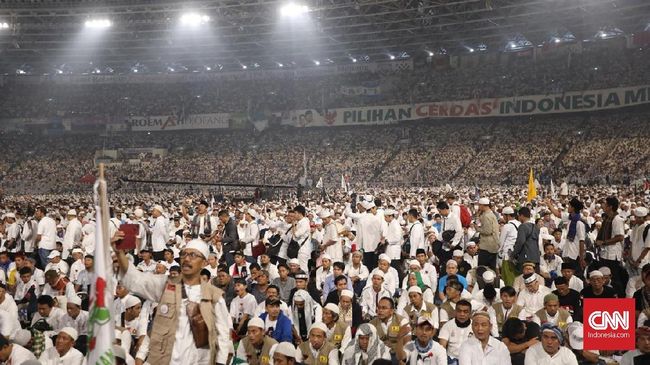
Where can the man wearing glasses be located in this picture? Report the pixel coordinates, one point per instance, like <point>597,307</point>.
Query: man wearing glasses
<point>191,322</point>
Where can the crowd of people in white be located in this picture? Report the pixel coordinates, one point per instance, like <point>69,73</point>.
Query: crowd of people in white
<point>407,276</point>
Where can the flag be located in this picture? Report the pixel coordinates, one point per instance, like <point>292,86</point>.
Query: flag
<point>304,163</point>
<point>319,184</point>
<point>101,327</point>
<point>552,189</point>
<point>344,186</point>
<point>532,190</point>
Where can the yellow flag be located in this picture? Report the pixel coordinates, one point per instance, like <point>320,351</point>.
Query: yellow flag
<point>532,191</point>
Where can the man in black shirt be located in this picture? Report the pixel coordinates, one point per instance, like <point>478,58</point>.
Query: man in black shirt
<point>569,298</point>
<point>642,296</point>
<point>597,288</point>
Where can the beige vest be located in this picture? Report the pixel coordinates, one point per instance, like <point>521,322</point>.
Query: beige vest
<point>563,316</point>
<point>323,354</point>
<point>166,321</point>
<point>337,335</point>
<point>414,315</point>
<point>251,354</point>
<point>390,339</point>
<point>498,310</point>
<point>451,312</point>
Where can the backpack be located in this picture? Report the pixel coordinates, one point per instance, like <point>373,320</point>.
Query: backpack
<point>294,247</point>
<point>465,216</point>
<point>645,232</point>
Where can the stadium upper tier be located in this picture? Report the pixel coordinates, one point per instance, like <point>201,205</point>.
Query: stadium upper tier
<point>605,147</point>
<point>471,78</point>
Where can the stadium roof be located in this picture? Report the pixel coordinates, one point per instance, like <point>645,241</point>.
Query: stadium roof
<point>44,36</point>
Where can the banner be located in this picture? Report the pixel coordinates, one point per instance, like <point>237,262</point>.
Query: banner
<point>368,89</point>
<point>172,123</point>
<point>569,102</point>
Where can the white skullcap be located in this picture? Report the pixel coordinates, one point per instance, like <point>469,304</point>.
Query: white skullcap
<point>332,308</point>
<point>77,250</point>
<point>75,300</point>
<point>158,208</point>
<point>326,257</point>
<point>287,349</point>
<point>605,270</point>
<point>641,212</point>
<point>252,213</point>
<point>256,322</point>
<point>452,262</point>
<point>390,212</point>
<point>531,279</point>
<point>131,301</point>
<point>22,337</point>
<point>415,289</point>
<point>484,201</point>
<point>378,273</point>
<point>347,293</point>
<point>384,257</point>
<point>489,277</point>
<point>320,325</point>
<point>324,214</point>
<point>458,253</point>
<point>508,211</point>
<point>415,263</point>
<point>54,254</point>
<point>72,212</point>
<point>70,332</point>
<point>293,261</point>
<point>471,244</point>
<point>139,213</point>
<point>200,246</point>
<point>596,274</point>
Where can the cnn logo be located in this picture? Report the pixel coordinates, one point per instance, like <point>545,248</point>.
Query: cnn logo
<point>600,320</point>
<point>608,329</point>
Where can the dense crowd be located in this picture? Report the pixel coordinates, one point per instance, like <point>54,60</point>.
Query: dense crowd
<point>603,148</point>
<point>497,77</point>
<point>403,276</point>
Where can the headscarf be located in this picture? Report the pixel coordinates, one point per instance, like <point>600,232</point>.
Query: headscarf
<point>309,309</point>
<point>420,282</point>
<point>376,348</point>
<point>575,218</point>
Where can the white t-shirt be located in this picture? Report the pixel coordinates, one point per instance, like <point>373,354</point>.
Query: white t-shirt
<point>454,336</point>
<point>47,230</point>
<point>571,248</point>
<point>615,251</point>
<point>240,306</point>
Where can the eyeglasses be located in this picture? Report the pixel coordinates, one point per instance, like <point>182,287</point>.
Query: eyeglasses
<point>192,255</point>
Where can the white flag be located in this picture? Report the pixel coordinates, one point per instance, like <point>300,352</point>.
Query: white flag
<point>101,327</point>
<point>319,184</point>
<point>552,189</point>
<point>344,186</point>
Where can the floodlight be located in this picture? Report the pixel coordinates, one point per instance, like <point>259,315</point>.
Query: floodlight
<point>317,63</point>
<point>293,10</point>
<point>391,57</point>
<point>354,60</point>
<point>430,53</point>
<point>4,25</point>
<point>244,67</point>
<point>97,23</point>
<point>194,19</point>
<point>280,65</point>
<point>208,68</point>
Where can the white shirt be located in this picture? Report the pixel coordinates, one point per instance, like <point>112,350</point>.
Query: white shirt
<point>547,266</point>
<point>454,336</point>
<point>535,355</point>
<point>47,230</point>
<point>571,249</point>
<point>436,356</point>
<point>508,238</point>
<point>321,274</point>
<point>452,223</point>
<point>240,306</point>
<point>638,243</point>
<point>251,237</point>
<point>391,279</point>
<point>369,299</point>
<point>615,251</point>
<point>75,269</point>
<point>72,237</point>
<point>361,272</point>
<point>52,357</point>
<point>80,323</point>
<point>392,232</point>
<point>60,267</point>
<point>495,353</point>
<point>331,234</point>
<point>532,302</point>
<point>371,231</point>
<point>151,288</point>
<point>19,355</point>
<point>144,267</point>
<point>416,238</point>
<point>302,236</point>
<point>159,234</point>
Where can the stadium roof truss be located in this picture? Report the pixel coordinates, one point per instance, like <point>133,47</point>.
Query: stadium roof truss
<point>43,34</point>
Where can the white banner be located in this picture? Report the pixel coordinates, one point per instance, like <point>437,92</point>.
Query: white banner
<point>590,100</point>
<point>171,122</point>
